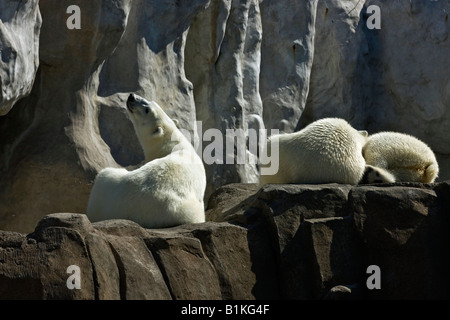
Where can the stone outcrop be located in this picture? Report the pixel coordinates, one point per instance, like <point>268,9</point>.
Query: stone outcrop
<point>324,237</point>
<point>20,25</point>
<point>224,63</point>
<point>279,242</point>
<point>120,260</point>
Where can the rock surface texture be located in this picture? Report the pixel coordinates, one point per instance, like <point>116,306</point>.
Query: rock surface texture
<point>279,242</point>
<point>217,64</point>
<point>20,25</point>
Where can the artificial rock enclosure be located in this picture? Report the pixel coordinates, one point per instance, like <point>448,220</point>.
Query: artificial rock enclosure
<point>213,64</point>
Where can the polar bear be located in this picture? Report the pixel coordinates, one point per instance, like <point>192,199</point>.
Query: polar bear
<point>376,175</point>
<point>167,190</point>
<point>407,158</point>
<point>328,150</point>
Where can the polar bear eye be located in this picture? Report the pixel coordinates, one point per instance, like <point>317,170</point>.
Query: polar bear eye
<point>147,110</point>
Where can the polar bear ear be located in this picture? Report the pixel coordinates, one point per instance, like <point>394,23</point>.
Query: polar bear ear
<point>364,133</point>
<point>176,122</point>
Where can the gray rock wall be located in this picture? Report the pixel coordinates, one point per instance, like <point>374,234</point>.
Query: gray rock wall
<point>219,62</point>
<point>20,23</point>
<point>223,58</point>
<point>287,55</point>
<point>51,146</point>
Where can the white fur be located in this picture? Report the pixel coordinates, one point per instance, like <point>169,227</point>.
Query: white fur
<point>406,157</point>
<point>168,190</point>
<point>376,175</point>
<point>326,151</point>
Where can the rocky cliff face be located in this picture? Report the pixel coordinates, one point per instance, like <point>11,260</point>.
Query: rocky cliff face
<point>20,25</point>
<point>282,241</point>
<point>219,62</point>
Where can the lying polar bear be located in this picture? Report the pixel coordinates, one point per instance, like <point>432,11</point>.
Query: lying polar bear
<point>328,150</point>
<point>166,191</point>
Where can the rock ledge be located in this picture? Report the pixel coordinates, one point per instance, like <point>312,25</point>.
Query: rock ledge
<point>282,241</point>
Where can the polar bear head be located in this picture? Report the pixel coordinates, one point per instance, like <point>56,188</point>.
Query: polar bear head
<point>404,156</point>
<point>154,128</point>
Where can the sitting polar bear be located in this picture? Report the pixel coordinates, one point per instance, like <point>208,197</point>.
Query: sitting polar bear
<point>167,190</point>
<point>326,151</point>
<point>405,157</point>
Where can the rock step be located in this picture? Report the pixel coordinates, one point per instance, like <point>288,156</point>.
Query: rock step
<point>282,241</point>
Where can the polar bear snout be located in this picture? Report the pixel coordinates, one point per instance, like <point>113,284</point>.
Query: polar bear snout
<point>134,101</point>
<point>131,98</point>
<point>131,102</point>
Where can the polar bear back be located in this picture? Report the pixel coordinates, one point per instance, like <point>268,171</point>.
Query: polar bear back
<point>326,151</point>
<point>406,157</point>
